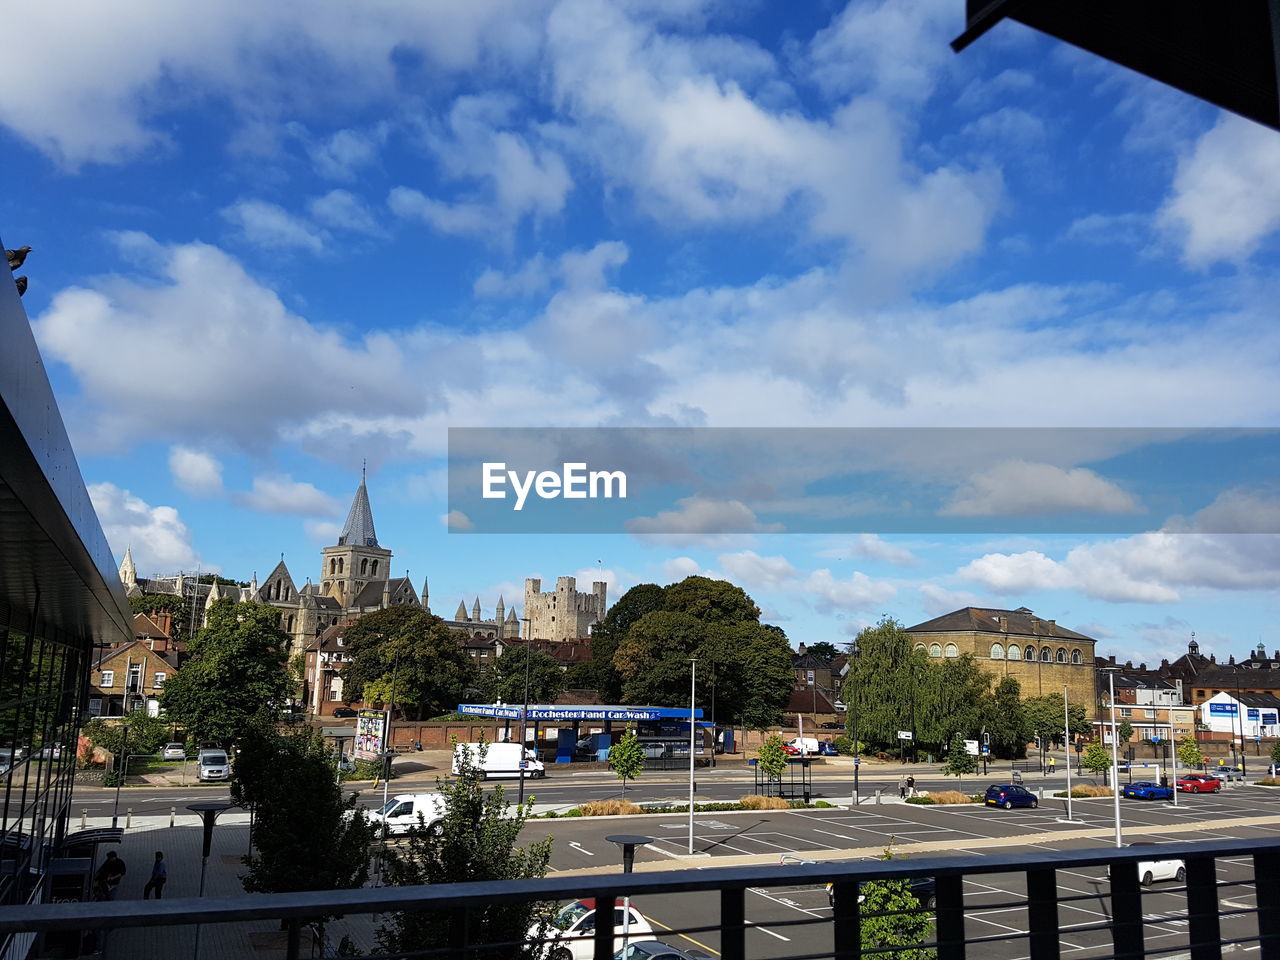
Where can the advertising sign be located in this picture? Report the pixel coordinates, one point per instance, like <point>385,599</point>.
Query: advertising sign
<point>904,734</point>
<point>369,734</point>
<point>1269,718</point>
<point>971,747</point>
<point>1252,713</point>
<point>1222,709</point>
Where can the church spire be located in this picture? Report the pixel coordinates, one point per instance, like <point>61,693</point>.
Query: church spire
<point>358,530</point>
<point>128,572</point>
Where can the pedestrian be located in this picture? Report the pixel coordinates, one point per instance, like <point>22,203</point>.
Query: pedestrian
<point>159,874</point>
<point>902,788</point>
<point>911,786</point>
<point>1052,764</point>
<point>107,879</point>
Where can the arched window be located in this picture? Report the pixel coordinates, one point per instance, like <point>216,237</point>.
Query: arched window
<point>1062,655</point>
<point>997,651</point>
<point>341,563</point>
<point>333,566</point>
<point>920,647</point>
<point>1045,654</point>
<point>953,650</point>
<point>288,593</point>
<point>364,566</point>
<point>1075,656</point>
<point>1030,653</point>
<point>290,627</point>
<point>1015,652</point>
<point>935,650</point>
<point>375,568</point>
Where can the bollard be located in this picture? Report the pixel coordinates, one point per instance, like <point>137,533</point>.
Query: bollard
<point>173,812</point>
<point>128,817</point>
<point>84,818</point>
<point>877,796</point>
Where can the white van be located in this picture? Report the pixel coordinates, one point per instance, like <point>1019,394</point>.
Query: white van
<point>500,760</point>
<point>808,746</point>
<point>402,811</point>
<point>212,764</point>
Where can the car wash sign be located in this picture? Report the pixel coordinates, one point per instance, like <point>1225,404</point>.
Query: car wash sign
<point>1222,709</point>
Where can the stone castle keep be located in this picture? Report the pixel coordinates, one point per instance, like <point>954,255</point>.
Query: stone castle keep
<point>566,613</point>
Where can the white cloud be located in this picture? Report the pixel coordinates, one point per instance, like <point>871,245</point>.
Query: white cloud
<point>342,210</point>
<point>159,540</point>
<point>1225,198</point>
<point>936,600</point>
<point>873,548</point>
<point>675,569</point>
<point>756,572</point>
<point>271,227</point>
<point>1126,229</point>
<point>279,493</point>
<point>322,532</point>
<point>1017,488</point>
<point>1239,510</point>
<point>341,155</point>
<point>456,520</point>
<point>195,471</point>
<point>701,520</point>
<point>853,593</point>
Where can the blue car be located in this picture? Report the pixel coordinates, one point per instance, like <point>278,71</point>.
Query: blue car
<point>1144,790</point>
<point>1009,795</point>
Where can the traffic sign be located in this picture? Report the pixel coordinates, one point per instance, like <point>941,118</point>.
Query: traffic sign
<point>905,735</point>
<point>857,761</point>
<point>1155,739</point>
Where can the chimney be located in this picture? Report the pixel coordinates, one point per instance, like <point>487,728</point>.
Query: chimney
<point>1164,663</point>
<point>1142,667</point>
<point>1053,627</point>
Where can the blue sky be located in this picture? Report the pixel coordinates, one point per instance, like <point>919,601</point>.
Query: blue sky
<point>273,243</point>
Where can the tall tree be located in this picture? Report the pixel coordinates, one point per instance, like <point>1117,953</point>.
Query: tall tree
<point>307,834</point>
<point>626,758</point>
<point>1007,721</point>
<point>631,606</point>
<point>236,672</point>
<point>824,650</point>
<point>478,843</point>
<point>1045,714</point>
<point>653,658</point>
<point>885,685</point>
<point>504,678</point>
<point>711,601</point>
<point>412,651</point>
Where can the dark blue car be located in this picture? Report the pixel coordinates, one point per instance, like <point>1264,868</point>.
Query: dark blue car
<point>1009,795</point>
<point>1144,790</point>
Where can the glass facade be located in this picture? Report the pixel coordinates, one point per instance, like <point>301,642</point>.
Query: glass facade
<point>42,684</point>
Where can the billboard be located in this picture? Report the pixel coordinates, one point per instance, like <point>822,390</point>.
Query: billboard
<point>1222,709</point>
<point>1268,718</point>
<point>1252,713</point>
<point>369,725</point>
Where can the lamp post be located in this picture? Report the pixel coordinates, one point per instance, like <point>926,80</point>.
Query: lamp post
<point>1115,752</point>
<point>208,811</point>
<point>1066,739</point>
<point>124,753</point>
<point>387,753</point>
<point>1244,771</point>
<point>854,698</point>
<point>524,714</point>
<point>628,842</point>
<point>693,692</point>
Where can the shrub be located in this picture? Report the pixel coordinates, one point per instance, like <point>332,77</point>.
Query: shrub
<point>112,779</point>
<point>843,745</point>
<point>575,812</point>
<point>1269,782</point>
<point>924,801</point>
<point>822,805</point>
<point>950,796</point>
<point>1085,791</point>
<point>755,801</point>
<point>609,808</point>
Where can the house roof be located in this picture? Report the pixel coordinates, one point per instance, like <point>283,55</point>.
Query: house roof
<point>133,648</point>
<point>1021,622</point>
<point>1225,680</point>
<point>144,626</point>
<point>1268,700</point>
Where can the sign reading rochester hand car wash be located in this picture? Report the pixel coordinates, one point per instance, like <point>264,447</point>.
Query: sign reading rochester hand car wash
<point>1222,709</point>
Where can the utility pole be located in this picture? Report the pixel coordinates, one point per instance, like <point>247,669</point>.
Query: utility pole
<point>693,693</point>
<point>1115,753</point>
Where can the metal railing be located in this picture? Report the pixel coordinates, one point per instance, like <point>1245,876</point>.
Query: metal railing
<point>464,903</point>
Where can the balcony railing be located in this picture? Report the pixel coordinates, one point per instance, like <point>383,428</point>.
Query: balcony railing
<point>1122,927</point>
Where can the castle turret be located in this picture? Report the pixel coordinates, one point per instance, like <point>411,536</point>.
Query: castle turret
<point>475,610</point>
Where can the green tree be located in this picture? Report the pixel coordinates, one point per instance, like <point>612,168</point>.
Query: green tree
<point>653,658</point>
<point>1045,714</point>
<point>1095,757</point>
<point>626,758</point>
<point>771,758</point>
<point>749,664</point>
<point>885,684</point>
<point>236,672</point>
<point>893,918</point>
<point>478,843</point>
<point>504,678</point>
<point>582,676</point>
<point>1007,719</point>
<point>824,650</point>
<point>959,761</point>
<point>631,606</point>
<point>146,734</point>
<point>1124,730</point>
<point>1275,751</point>
<point>175,606</point>
<point>711,601</point>
<point>307,834</point>
<point>1190,754</point>
<point>412,651</point>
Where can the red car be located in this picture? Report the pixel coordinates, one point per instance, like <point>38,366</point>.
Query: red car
<point>1199,783</point>
<point>790,751</point>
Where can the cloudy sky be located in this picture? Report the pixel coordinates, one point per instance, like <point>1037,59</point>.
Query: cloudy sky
<point>274,242</point>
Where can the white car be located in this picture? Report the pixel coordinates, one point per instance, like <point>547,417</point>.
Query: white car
<point>572,933</point>
<point>1149,871</point>
<point>403,810</point>
<point>175,751</point>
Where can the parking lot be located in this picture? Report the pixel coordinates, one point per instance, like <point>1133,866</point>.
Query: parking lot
<point>722,839</point>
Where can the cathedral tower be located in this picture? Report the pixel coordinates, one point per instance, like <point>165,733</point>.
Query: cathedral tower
<point>356,559</point>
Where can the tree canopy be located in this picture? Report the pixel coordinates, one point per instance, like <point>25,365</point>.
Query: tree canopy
<point>504,678</point>
<point>411,650</point>
<point>1044,714</point>
<point>824,650</point>
<point>236,671</point>
<point>607,634</point>
<point>146,733</point>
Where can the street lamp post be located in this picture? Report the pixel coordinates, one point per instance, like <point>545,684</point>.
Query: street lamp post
<point>1244,770</point>
<point>854,697</point>
<point>1115,752</point>
<point>524,714</point>
<point>120,775</point>
<point>693,693</point>
<point>628,843</point>
<point>208,812</point>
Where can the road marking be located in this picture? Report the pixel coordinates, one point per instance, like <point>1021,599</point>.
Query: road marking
<point>697,943</point>
<point>772,934</point>
<point>580,848</point>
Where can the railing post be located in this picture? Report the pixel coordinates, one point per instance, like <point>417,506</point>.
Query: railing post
<point>1266,881</point>
<point>293,948</point>
<point>1042,914</point>
<point>1204,934</point>
<point>847,921</point>
<point>459,932</point>
<point>949,891</point>
<point>733,920</point>
<point>603,945</point>
<point>1126,911</point>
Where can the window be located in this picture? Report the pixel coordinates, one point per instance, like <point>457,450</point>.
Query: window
<point>1045,654</point>
<point>335,694</point>
<point>953,650</point>
<point>95,706</point>
<point>1150,714</point>
<point>108,678</point>
<point>997,651</point>
<point>375,568</point>
<point>1075,656</point>
<point>159,681</point>
<point>1015,652</point>
<point>1030,652</point>
<point>935,650</point>
<point>364,566</point>
<point>1126,712</point>
<point>920,647</point>
<point>810,678</point>
<point>1062,655</point>
<point>341,564</point>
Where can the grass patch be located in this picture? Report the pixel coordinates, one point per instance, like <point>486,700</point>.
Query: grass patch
<point>1268,782</point>
<point>1086,791</point>
<point>951,796</point>
<point>609,808</point>
<point>755,801</point>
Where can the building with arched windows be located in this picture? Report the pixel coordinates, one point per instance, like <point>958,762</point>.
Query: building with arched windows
<point>1041,655</point>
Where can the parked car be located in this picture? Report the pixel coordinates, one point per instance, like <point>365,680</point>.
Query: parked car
<point>572,932</point>
<point>174,751</point>
<point>833,725</point>
<point>1009,795</point>
<point>1224,773</point>
<point>213,764</point>
<point>345,712</point>
<point>50,751</point>
<point>657,950</point>
<point>1199,783</point>
<point>1146,790</point>
<point>790,751</point>
<point>827,749</point>
<point>403,811</point>
<point>1150,871</point>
